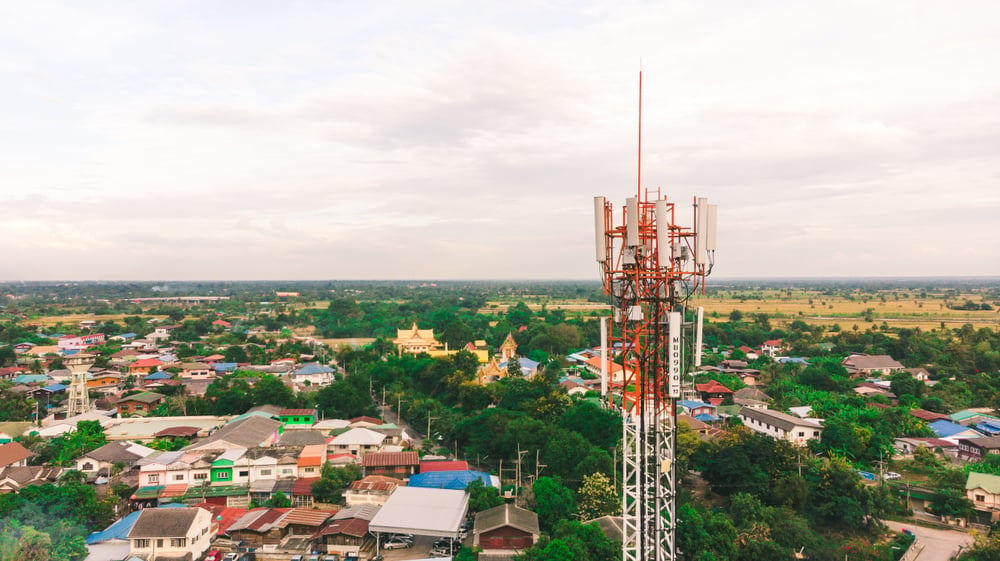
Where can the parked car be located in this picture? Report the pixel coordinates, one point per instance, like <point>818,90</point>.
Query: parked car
<point>231,556</point>
<point>397,544</point>
<point>213,555</point>
<point>892,475</point>
<point>296,558</point>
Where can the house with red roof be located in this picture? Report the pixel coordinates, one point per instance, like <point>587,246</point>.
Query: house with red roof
<point>79,342</point>
<point>145,366</point>
<point>772,347</point>
<point>713,392</point>
<point>392,464</point>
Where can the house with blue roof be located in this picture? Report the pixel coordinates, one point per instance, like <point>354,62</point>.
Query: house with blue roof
<point>528,366</point>
<point>224,367</point>
<point>124,337</point>
<point>954,431</point>
<point>314,373</point>
<point>695,408</point>
<point>457,480</point>
<point>158,376</point>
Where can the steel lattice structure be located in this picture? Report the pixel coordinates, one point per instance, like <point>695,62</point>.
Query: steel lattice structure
<point>650,266</point>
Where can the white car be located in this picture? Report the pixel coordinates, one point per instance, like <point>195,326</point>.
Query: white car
<point>397,544</point>
<point>892,475</point>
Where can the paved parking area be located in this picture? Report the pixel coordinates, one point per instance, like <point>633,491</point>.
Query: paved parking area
<point>420,550</point>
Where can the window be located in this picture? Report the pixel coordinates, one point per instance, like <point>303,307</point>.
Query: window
<point>178,542</point>
<point>310,470</point>
<point>141,544</point>
<point>264,472</point>
<point>138,407</point>
<point>199,476</point>
<point>153,478</point>
<point>286,472</point>
<point>816,433</point>
<point>222,475</point>
<point>801,434</point>
<point>179,477</point>
<point>159,543</point>
<point>980,498</point>
<point>244,474</point>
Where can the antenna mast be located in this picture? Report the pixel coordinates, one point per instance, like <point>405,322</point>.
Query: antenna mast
<point>650,265</point>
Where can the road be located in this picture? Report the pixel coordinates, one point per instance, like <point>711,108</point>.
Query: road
<point>939,545</point>
<point>389,416</point>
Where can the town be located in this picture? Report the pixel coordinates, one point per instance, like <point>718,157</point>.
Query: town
<point>337,421</point>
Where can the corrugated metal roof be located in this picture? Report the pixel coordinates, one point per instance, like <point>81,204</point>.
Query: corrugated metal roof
<point>303,486</point>
<point>387,459</point>
<point>304,517</point>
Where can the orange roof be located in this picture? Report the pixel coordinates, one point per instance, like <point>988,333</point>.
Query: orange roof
<point>146,362</point>
<point>312,455</point>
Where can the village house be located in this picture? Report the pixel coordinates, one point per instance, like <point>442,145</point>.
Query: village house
<point>872,365</point>
<point>139,404</point>
<point>975,449</point>
<point>79,342</point>
<point>772,347</point>
<point>781,426</point>
<point>983,489</point>
<point>713,392</point>
<point>357,442</point>
<point>371,490</point>
<point>196,371</point>
<point>171,533</point>
<point>503,530</point>
<point>12,454</point>
<point>392,464</point>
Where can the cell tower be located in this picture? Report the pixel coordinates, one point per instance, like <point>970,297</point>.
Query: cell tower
<point>79,399</point>
<point>651,266</point>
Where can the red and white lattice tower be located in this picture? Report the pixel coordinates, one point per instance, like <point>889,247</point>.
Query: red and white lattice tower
<point>651,265</point>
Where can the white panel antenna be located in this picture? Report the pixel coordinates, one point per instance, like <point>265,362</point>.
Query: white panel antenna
<point>701,220</point>
<point>663,248</point>
<point>599,230</point>
<point>632,222</point>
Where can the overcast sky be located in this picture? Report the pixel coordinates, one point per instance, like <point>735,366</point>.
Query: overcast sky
<point>461,140</point>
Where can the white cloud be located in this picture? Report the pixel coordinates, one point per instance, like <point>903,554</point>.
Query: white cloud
<point>448,140</point>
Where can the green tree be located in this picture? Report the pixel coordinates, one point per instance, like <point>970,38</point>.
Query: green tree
<point>482,497</point>
<point>597,497</point>
<point>553,502</point>
<point>271,390</point>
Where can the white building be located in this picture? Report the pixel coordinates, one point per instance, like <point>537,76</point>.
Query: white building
<point>174,533</point>
<point>781,425</point>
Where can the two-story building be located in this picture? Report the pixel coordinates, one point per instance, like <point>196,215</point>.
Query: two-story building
<point>975,449</point>
<point>781,426</point>
<point>983,489</point>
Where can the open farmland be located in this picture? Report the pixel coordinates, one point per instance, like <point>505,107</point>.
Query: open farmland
<point>897,308</point>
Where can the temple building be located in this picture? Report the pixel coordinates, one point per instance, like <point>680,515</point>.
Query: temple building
<point>415,340</point>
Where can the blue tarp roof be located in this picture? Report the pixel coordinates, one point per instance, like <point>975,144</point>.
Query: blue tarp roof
<point>944,429</point>
<point>120,528</point>
<point>313,368</point>
<point>160,375</point>
<point>706,418</point>
<point>224,366</point>
<point>457,480</point>
<point>55,387</point>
